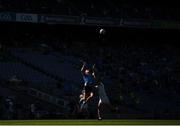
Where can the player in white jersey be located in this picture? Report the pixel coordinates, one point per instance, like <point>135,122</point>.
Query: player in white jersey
<point>103,99</point>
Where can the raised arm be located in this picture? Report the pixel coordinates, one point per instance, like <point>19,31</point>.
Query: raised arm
<point>94,71</point>
<point>83,67</point>
<point>94,67</point>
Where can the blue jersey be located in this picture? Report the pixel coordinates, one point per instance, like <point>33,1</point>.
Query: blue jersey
<point>88,79</point>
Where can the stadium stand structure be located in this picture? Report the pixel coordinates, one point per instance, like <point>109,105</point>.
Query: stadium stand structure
<point>133,86</point>
<point>141,80</point>
<point>109,8</point>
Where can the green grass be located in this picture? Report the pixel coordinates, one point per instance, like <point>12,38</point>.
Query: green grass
<point>91,122</point>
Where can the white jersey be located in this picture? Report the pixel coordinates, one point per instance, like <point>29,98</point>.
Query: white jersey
<point>102,94</point>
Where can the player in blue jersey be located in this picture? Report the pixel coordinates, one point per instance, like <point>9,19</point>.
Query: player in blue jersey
<point>89,80</point>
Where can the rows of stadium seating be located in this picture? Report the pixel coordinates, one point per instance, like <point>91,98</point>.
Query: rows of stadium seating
<point>20,107</point>
<point>49,63</point>
<point>142,74</point>
<point>20,74</point>
<point>8,70</point>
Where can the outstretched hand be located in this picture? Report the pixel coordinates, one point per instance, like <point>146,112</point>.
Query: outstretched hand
<point>94,66</point>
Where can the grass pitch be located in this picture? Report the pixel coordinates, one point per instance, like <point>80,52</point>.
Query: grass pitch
<point>91,122</point>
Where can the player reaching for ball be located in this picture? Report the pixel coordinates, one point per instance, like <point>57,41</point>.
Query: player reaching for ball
<point>89,81</point>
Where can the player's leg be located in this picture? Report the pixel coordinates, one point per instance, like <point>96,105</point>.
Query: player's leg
<point>83,103</point>
<point>99,110</point>
<point>88,93</point>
